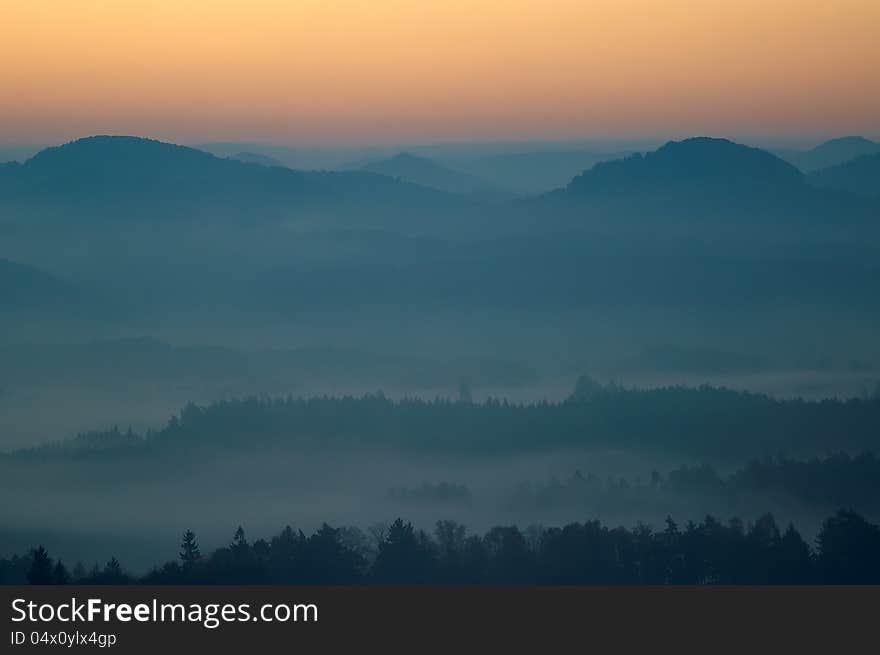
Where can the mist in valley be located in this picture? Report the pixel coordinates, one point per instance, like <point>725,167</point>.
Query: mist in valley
<point>140,280</point>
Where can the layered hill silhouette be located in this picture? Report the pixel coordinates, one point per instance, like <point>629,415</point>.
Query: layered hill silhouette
<point>25,287</point>
<point>133,176</point>
<point>427,172</point>
<point>536,171</point>
<point>119,177</point>
<point>830,153</point>
<point>257,158</point>
<point>708,176</point>
<point>860,175</point>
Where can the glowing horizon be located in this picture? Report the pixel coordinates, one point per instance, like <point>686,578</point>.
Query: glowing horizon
<point>368,71</point>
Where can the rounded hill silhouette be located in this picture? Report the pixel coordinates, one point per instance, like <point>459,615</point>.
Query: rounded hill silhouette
<point>699,164</point>
<point>127,175</point>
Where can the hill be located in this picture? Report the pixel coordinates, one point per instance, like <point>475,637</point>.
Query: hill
<point>706,182</point>
<point>533,172</point>
<point>257,158</point>
<point>427,172</point>
<point>26,287</point>
<point>830,153</point>
<point>860,175</point>
<point>697,164</point>
<point>117,177</point>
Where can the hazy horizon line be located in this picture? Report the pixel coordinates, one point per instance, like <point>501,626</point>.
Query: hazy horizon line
<point>622,142</point>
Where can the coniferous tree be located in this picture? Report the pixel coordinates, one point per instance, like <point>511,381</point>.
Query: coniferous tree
<point>848,548</point>
<point>41,567</point>
<point>708,552</point>
<point>190,554</point>
<point>60,574</point>
<point>79,571</point>
<point>404,556</point>
<point>794,562</point>
<point>239,541</point>
<point>112,573</point>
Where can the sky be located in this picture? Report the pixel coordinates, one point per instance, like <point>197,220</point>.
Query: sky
<point>376,71</point>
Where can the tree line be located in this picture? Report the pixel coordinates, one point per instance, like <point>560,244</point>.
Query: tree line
<point>846,551</point>
<point>817,484</point>
<point>703,421</point>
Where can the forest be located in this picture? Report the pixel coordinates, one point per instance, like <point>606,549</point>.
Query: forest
<point>818,484</point>
<point>619,455</point>
<point>698,421</point>
<point>846,551</point>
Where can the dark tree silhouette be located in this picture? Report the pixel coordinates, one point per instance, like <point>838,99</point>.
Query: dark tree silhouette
<point>708,552</point>
<point>404,556</point>
<point>510,559</point>
<point>849,550</point>
<point>794,561</point>
<point>676,419</point>
<point>41,571</point>
<point>60,574</point>
<point>190,554</point>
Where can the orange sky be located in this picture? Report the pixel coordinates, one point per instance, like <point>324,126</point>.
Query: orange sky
<point>431,70</point>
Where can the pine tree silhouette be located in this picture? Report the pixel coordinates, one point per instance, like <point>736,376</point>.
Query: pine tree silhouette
<point>60,574</point>
<point>41,567</point>
<point>189,550</point>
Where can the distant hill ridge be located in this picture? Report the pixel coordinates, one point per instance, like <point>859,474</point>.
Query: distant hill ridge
<point>830,153</point>
<point>121,176</point>
<point>699,162</point>
<point>860,175</point>
<point>427,172</point>
<point>23,286</point>
<point>257,158</point>
<point>709,180</point>
<point>137,174</point>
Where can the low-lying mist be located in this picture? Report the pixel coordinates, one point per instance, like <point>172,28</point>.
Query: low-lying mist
<point>620,455</point>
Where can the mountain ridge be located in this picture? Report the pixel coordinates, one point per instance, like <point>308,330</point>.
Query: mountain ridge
<point>146,176</point>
